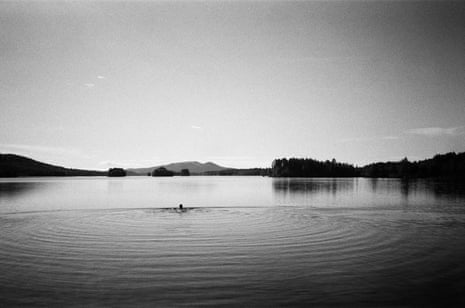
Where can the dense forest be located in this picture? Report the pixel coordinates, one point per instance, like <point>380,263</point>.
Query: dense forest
<point>307,167</point>
<point>162,171</point>
<point>441,165</point>
<point>15,166</point>
<point>232,171</point>
<point>116,172</point>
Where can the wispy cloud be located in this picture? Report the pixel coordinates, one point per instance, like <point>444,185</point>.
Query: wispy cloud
<point>367,139</point>
<point>92,84</point>
<point>131,163</point>
<point>424,131</point>
<point>196,127</point>
<point>437,131</point>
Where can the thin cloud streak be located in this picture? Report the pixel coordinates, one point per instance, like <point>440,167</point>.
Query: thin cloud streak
<point>437,131</point>
<point>131,163</point>
<point>367,139</point>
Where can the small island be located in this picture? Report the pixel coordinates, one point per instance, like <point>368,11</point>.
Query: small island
<point>162,171</point>
<point>185,172</point>
<point>116,172</point>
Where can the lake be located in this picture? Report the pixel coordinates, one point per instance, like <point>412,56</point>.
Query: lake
<point>254,241</point>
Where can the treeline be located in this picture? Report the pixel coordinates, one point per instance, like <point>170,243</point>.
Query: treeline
<point>162,171</point>
<point>307,167</point>
<point>441,165</point>
<point>116,172</point>
<point>251,171</point>
<point>16,166</point>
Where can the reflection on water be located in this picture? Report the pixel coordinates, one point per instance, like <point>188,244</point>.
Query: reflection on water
<point>314,185</point>
<point>12,189</point>
<point>433,187</point>
<point>43,194</point>
<point>241,241</point>
<point>361,192</point>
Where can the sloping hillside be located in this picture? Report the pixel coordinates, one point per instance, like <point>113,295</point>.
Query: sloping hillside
<point>12,165</point>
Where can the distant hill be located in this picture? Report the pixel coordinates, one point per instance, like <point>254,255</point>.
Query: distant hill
<point>442,165</point>
<point>194,167</point>
<point>12,165</point>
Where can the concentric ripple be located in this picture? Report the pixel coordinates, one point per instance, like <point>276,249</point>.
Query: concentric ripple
<point>236,256</point>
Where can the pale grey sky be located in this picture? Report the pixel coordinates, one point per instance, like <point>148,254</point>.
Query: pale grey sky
<point>100,84</point>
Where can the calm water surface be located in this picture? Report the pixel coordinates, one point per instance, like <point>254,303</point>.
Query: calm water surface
<point>253,241</point>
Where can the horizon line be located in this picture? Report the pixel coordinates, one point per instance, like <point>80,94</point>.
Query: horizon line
<point>196,161</point>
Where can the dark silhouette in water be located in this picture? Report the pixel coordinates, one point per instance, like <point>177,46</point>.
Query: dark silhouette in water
<point>182,209</point>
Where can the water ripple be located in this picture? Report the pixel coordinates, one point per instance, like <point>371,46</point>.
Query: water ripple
<point>226,255</point>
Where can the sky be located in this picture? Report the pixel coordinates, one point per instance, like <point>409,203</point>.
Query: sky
<point>136,84</point>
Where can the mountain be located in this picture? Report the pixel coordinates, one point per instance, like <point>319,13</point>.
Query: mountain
<point>194,168</point>
<point>12,165</point>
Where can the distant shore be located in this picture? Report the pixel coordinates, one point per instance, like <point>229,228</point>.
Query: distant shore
<point>449,165</point>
